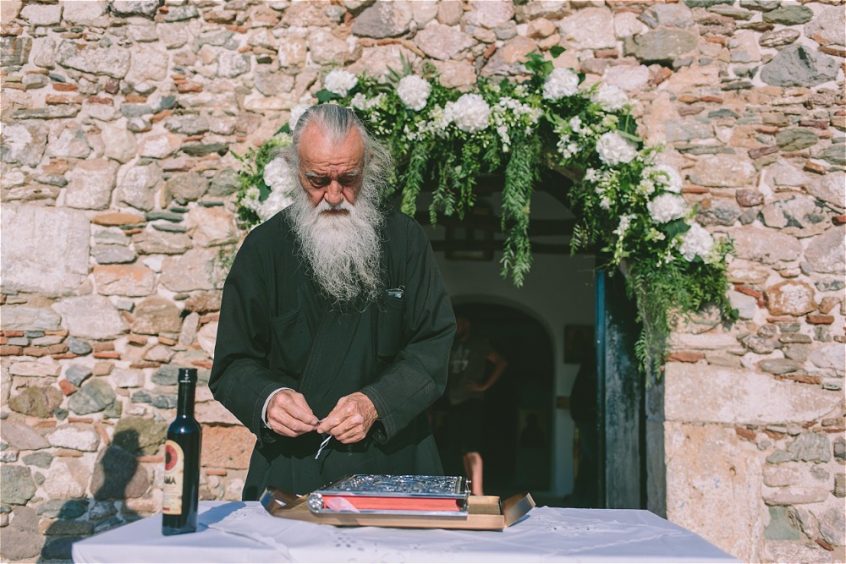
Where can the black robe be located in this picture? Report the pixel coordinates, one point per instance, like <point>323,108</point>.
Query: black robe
<point>277,330</point>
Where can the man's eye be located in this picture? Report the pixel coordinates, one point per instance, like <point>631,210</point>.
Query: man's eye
<point>319,181</point>
<point>348,180</point>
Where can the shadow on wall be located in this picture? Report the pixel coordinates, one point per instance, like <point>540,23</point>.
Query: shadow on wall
<point>117,476</point>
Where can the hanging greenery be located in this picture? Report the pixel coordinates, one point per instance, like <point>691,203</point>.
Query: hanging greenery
<point>630,210</point>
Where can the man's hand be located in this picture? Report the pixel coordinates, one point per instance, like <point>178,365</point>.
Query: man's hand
<point>351,419</point>
<point>289,415</point>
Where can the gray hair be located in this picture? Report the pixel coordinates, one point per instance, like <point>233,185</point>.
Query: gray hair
<point>337,121</point>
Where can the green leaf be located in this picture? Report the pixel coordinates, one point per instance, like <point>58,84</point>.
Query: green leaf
<point>264,189</point>
<point>633,138</point>
<point>537,65</point>
<point>407,69</point>
<point>676,227</point>
<point>628,125</point>
<point>556,50</point>
<point>413,178</point>
<point>324,96</point>
<point>394,76</point>
<point>534,59</point>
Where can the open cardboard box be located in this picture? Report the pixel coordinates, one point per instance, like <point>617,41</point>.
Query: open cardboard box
<point>484,513</point>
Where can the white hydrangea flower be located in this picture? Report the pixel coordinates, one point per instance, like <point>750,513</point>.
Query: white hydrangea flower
<point>669,177</point>
<point>667,207</point>
<point>576,124</point>
<point>251,199</point>
<point>591,175</point>
<point>697,242</point>
<point>340,82</point>
<point>611,97</point>
<point>275,202</point>
<point>470,113</point>
<point>613,149</point>
<point>359,101</point>
<point>278,176</point>
<point>561,82</point>
<point>414,92</point>
<point>296,113</point>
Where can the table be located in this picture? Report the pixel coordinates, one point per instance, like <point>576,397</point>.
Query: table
<point>245,532</point>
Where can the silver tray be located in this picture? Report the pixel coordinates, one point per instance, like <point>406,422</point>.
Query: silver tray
<point>391,487</point>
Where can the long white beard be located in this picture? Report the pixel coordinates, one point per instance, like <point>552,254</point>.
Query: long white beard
<point>342,249</point>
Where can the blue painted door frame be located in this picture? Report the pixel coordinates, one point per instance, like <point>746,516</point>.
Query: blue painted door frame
<point>621,429</point>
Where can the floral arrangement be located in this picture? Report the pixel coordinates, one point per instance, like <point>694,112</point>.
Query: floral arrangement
<point>629,207</point>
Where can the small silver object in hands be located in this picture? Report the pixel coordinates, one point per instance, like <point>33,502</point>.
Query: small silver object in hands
<point>322,446</point>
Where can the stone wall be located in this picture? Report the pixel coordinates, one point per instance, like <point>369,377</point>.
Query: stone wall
<point>120,123</point>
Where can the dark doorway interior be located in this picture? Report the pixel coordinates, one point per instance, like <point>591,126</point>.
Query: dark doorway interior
<point>518,410</point>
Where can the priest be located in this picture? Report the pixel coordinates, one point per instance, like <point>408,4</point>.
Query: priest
<point>335,327</point>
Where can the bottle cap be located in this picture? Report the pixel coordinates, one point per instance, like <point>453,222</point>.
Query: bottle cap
<point>187,376</point>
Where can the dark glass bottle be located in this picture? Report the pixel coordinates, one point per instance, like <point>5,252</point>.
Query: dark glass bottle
<point>182,462</point>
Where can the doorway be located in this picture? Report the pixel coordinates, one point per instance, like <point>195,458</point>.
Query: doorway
<point>558,294</point>
<point>518,411</point>
<point>564,295</point>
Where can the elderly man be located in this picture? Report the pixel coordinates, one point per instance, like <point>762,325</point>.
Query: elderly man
<point>335,326</point>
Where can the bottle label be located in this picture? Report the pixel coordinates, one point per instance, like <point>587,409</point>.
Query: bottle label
<point>174,476</point>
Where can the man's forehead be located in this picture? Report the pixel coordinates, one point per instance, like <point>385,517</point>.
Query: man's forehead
<point>319,147</point>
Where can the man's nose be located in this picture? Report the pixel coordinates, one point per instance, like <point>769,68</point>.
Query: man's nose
<point>334,193</point>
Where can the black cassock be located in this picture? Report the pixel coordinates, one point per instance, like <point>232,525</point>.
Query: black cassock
<point>276,330</point>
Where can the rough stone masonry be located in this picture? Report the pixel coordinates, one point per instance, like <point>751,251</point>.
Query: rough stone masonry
<point>120,121</point>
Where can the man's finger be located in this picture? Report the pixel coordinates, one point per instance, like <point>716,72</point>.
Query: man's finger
<point>278,419</point>
<point>338,414</point>
<point>348,425</point>
<point>331,423</point>
<point>354,435</point>
<point>301,409</point>
<point>294,404</point>
<point>293,423</point>
<point>354,410</point>
<point>282,429</point>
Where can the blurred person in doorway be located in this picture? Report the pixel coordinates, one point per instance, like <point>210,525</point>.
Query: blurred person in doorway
<point>474,367</point>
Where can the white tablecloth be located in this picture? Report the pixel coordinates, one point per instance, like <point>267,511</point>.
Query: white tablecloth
<point>244,532</point>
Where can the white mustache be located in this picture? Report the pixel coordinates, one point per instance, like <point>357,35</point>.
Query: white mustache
<point>343,205</point>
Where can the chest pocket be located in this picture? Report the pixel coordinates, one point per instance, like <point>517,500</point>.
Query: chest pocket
<point>291,342</point>
<point>390,330</point>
